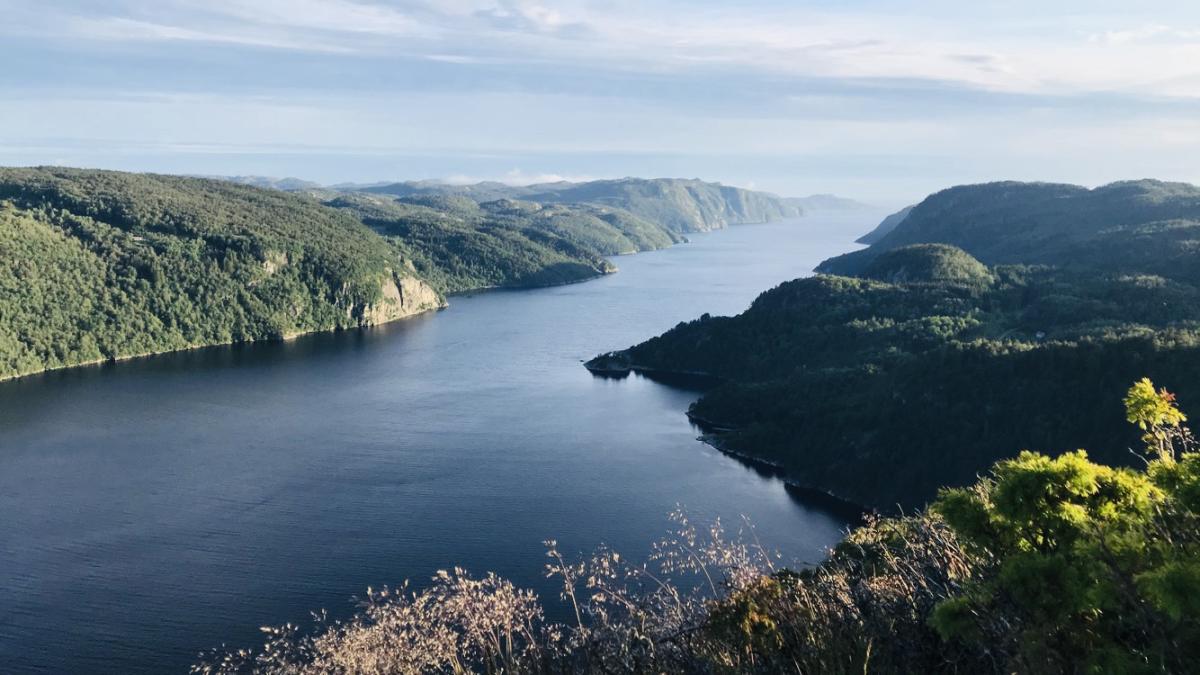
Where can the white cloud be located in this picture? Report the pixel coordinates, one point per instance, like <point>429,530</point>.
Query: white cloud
<point>516,177</point>
<point>343,16</point>
<point>1146,33</point>
<point>1007,55</point>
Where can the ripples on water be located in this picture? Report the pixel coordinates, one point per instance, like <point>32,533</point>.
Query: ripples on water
<point>162,506</point>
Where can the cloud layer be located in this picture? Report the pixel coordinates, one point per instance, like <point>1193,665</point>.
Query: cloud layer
<point>873,96</point>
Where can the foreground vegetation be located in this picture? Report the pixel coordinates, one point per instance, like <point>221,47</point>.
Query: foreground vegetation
<point>1046,565</point>
<point>929,365</point>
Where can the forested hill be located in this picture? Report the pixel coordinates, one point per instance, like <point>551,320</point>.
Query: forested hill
<point>458,244</point>
<point>932,364</point>
<point>678,204</point>
<point>101,265</point>
<point>1133,225</point>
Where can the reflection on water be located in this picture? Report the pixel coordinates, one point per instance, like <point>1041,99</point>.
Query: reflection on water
<point>161,506</point>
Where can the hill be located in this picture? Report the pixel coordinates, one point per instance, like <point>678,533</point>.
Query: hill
<point>459,244</point>
<point>677,204</point>
<point>932,365</point>
<point>1141,225</point>
<point>102,265</point>
<point>928,263</point>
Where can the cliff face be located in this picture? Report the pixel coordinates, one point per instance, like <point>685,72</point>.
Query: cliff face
<point>402,297</point>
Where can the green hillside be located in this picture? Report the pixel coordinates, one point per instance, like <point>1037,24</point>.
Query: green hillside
<point>104,265</point>
<point>932,365</point>
<point>928,263</point>
<point>459,244</point>
<point>1147,226</point>
<point>101,265</point>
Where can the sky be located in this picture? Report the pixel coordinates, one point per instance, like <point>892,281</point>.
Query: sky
<point>879,100</point>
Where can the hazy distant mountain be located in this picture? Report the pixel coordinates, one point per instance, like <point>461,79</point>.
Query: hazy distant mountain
<point>268,182</point>
<point>681,205</point>
<point>480,192</point>
<point>885,226</point>
<point>826,202</point>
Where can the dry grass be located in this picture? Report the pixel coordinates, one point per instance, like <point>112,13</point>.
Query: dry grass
<point>703,602</point>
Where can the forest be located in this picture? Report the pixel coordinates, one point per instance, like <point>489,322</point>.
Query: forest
<point>103,265</point>
<point>930,365</point>
<point>458,244</point>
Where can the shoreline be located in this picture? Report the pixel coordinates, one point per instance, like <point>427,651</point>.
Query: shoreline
<point>834,500</point>
<point>194,347</point>
<point>492,289</point>
<point>292,336</point>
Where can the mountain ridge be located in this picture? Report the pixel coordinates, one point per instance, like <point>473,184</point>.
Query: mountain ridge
<point>1035,223</point>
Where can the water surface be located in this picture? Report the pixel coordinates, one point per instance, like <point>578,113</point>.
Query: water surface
<point>158,507</point>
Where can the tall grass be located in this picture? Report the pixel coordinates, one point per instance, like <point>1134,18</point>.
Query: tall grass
<point>703,601</point>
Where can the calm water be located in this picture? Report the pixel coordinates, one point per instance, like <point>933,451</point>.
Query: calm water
<point>159,507</point>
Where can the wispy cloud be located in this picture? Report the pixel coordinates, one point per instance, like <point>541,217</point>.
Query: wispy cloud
<point>122,29</point>
<point>752,92</point>
<point>345,16</point>
<point>666,37</point>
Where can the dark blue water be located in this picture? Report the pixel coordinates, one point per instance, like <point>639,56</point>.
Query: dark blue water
<point>158,507</point>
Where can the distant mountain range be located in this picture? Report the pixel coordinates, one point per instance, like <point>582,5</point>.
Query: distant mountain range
<point>561,191</point>
<point>827,202</point>
<point>682,205</point>
<point>544,192</point>
<point>268,182</point>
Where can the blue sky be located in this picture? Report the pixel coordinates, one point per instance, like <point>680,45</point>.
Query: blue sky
<point>885,101</point>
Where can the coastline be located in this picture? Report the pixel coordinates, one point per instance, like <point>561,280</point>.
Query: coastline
<point>464,293</point>
<point>193,347</point>
<point>832,499</point>
<point>532,287</point>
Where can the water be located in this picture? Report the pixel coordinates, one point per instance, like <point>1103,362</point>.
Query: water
<point>158,507</point>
